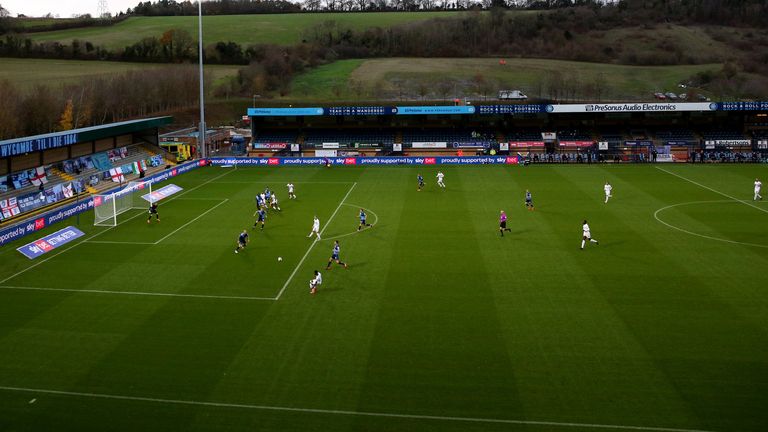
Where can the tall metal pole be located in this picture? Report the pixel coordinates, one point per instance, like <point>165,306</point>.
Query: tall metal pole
<point>201,147</point>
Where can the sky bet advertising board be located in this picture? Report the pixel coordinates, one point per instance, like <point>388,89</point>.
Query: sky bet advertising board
<point>384,160</point>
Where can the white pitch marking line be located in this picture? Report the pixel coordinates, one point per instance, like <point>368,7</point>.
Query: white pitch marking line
<point>200,199</point>
<point>314,241</point>
<point>347,412</point>
<point>656,216</point>
<point>135,293</point>
<point>117,242</point>
<point>355,232</point>
<point>102,232</point>
<point>280,181</point>
<point>714,190</point>
<point>198,217</point>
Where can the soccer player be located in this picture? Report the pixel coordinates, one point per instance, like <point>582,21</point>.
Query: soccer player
<point>262,218</point>
<point>267,194</point>
<point>586,235</point>
<point>273,203</point>
<point>758,185</point>
<point>363,216</point>
<point>315,228</point>
<point>242,240</point>
<point>263,197</point>
<point>291,194</point>
<point>607,188</point>
<point>503,223</point>
<point>335,256</point>
<point>315,282</point>
<point>153,211</point>
<point>259,203</point>
<point>440,176</point>
<point>420,179</point>
<point>528,200</point>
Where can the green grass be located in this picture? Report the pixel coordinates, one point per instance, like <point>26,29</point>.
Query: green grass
<point>244,29</point>
<point>27,73</point>
<point>437,315</point>
<point>383,76</point>
<point>326,82</point>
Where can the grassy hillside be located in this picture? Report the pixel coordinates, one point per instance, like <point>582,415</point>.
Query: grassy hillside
<point>26,73</point>
<point>243,29</point>
<point>411,77</point>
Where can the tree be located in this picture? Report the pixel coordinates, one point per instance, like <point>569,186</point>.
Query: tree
<point>4,12</point>
<point>66,122</point>
<point>9,116</point>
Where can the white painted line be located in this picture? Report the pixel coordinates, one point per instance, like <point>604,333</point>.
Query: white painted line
<point>198,217</point>
<point>102,232</point>
<point>135,293</point>
<point>656,216</point>
<point>268,182</point>
<point>348,412</point>
<point>356,232</point>
<point>713,190</point>
<point>117,242</point>
<point>314,241</point>
<point>200,199</point>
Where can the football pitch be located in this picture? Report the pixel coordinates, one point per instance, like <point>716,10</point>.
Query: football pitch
<point>438,324</point>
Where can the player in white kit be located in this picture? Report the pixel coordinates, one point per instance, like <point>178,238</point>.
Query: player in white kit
<point>315,282</point>
<point>273,202</point>
<point>607,188</point>
<point>291,195</point>
<point>758,186</point>
<point>440,176</point>
<point>586,235</point>
<point>315,228</point>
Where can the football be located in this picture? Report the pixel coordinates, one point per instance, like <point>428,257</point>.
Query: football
<point>279,258</point>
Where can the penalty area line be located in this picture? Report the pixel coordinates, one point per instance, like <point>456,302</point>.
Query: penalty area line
<point>456,419</point>
<point>198,217</point>
<point>314,241</point>
<point>106,230</point>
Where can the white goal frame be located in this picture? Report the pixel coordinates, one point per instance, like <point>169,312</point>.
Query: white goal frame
<point>116,203</point>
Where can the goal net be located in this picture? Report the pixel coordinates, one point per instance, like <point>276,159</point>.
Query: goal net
<point>107,207</point>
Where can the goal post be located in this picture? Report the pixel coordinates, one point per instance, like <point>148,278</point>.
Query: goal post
<point>106,207</point>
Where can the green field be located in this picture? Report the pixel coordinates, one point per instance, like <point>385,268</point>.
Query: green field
<point>243,29</point>
<point>377,78</point>
<point>439,324</point>
<point>26,73</point>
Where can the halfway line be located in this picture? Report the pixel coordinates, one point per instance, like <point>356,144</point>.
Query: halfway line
<point>314,241</point>
<point>348,413</point>
<point>713,190</point>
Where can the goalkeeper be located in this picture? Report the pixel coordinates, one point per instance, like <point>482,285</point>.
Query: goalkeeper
<point>153,211</point>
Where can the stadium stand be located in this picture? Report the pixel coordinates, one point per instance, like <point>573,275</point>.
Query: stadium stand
<point>523,135</point>
<point>266,137</point>
<point>574,135</point>
<point>676,134</point>
<point>480,137</point>
<point>722,134</point>
<point>347,138</point>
